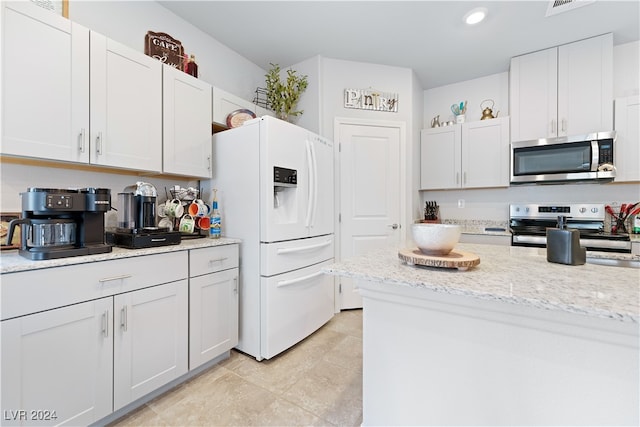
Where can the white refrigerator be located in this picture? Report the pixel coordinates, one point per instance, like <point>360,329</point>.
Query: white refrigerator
<point>275,190</point>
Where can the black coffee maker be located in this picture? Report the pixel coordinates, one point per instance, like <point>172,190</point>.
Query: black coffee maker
<point>137,226</point>
<point>59,223</point>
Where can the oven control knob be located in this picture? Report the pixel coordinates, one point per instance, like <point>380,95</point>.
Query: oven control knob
<point>583,210</point>
<point>594,210</point>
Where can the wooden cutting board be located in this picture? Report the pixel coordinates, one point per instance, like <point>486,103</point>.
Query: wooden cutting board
<point>454,259</point>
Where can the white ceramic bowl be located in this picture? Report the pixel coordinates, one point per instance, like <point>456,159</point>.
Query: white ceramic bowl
<point>435,239</point>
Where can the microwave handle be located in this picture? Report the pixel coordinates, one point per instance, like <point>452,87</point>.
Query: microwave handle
<point>595,156</point>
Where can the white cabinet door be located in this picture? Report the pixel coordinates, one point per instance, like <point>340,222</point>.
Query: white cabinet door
<point>150,340</point>
<point>533,96</point>
<point>485,153</point>
<point>126,107</point>
<point>627,148</point>
<point>186,133</point>
<point>61,361</point>
<point>213,315</point>
<point>440,161</point>
<point>585,86</point>
<point>45,84</point>
<point>225,103</point>
<point>562,91</point>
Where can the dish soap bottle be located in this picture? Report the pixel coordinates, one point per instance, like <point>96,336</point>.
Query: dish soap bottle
<point>215,227</point>
<point>563,245</point>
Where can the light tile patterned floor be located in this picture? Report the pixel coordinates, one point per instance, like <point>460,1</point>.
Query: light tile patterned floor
<point>317,382</point>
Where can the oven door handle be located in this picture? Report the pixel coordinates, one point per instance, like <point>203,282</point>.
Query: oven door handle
<point>540,240</point>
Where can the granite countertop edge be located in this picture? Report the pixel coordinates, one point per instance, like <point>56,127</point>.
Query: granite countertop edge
<point>12,262</point>
<point>535,303</point>
<point>562,297</point>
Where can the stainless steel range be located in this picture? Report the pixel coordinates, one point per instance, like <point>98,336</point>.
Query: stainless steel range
<point>528,223</point>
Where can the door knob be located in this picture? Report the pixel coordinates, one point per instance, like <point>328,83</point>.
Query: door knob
<point>394,226</point>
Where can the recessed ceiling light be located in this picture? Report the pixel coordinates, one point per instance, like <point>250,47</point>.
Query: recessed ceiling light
<point>475,15</point>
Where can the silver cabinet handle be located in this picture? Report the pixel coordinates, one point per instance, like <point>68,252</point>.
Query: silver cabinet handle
<point>123,318</point>
<point>105,323</point>
<point>99,143</point>
<point>553,127</point>
<point>235,285</point>
<point>564,125</point>
<point>394,226</point>
<point>111,279</point>
<point>211,261</point>
<point>81,141</point>
<point>208,162</point>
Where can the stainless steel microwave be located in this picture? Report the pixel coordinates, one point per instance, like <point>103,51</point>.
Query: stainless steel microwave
<point>565,159</point>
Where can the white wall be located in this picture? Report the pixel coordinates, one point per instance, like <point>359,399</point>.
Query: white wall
<point>493,204</point>
<point>438,101</point>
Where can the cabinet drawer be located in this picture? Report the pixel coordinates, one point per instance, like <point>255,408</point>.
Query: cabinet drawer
<point>209,260</point>
<point>38,290</point>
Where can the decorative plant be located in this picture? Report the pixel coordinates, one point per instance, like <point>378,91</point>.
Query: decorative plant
<point>283,97</point>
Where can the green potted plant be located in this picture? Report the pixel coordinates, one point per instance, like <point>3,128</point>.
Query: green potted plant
<point>283,97</point>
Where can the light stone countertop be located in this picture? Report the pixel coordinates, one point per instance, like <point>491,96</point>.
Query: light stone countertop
<point>12,262</point>
<point>516,275</point>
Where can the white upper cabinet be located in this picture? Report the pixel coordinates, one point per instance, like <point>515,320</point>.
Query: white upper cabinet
<point>45,84</point>
<point>225,103</point>
<point>627,149</point>
<point>563,91</point>
<point>485,153</point>
<point>469,155</point>
<point>126,107</point>
<point>187,115</point>
<point>440,159</point>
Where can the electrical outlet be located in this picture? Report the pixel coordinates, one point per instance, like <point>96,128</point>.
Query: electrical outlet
<point>461,203</point>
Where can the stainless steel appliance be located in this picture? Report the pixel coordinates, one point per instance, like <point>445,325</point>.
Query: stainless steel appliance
<point>62,223</point>
<point>529,222</point>
<point>137,226</point>
<point>566,159</point>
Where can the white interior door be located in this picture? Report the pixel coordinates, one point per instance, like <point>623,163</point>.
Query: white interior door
<point>370,194</point>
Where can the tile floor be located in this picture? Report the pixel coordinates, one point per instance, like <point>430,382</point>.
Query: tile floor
<point>317,382</point>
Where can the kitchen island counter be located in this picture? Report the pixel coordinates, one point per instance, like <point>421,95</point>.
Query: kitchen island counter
<point>12,262</point>
<point>514,275</point>
<point>515,340</point>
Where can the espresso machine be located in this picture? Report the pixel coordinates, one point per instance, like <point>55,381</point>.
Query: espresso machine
<point>59,223</point>
<point>137,226</point>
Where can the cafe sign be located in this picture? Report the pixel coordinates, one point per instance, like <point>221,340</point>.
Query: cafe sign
<point>370,99</point>
<point>164,48</point>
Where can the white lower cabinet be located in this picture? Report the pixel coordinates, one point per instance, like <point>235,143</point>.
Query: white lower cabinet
<point>150,340</point>
<point>213,302</point>
<point>80,342</point>
<point>213,315</point>
<point>57,365</point>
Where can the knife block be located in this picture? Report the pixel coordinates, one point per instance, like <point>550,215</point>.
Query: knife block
<point>563,247</point>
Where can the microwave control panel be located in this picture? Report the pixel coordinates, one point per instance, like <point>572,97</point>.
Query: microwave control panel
<point>605,151</point>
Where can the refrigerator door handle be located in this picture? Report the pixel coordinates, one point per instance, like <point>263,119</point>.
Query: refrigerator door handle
<point>307,221</point>
<point>315,184</point>
<point>283,251</point>
<point>282,283</point>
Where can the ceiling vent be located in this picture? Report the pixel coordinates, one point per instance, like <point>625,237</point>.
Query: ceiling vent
<point>560,6</point>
